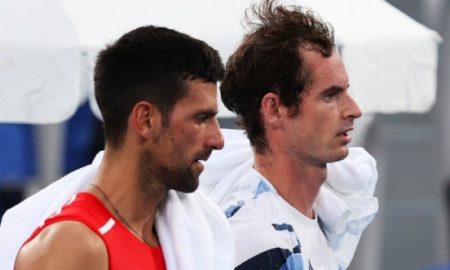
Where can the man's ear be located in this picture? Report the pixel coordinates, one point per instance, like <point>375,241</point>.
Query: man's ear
<point>272,111</point>
<point>145,119</point>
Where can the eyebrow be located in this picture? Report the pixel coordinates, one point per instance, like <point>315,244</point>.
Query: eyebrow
<point>335,88</point>
<point>206,112</point>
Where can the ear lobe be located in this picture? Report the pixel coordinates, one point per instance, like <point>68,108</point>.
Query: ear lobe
<point>145,118</point>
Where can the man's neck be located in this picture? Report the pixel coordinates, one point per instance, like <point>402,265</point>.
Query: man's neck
<point>117,186</point>
<point>296,182</point>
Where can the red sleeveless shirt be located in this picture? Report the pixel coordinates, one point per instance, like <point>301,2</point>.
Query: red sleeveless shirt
<point>125,250</point>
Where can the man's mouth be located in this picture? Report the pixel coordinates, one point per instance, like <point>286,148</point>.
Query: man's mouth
<point>201,158</point>
<point>345,132</point>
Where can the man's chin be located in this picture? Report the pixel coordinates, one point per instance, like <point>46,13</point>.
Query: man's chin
<point>189,184</point>
<point>188,188</point>
<point>341,154</point>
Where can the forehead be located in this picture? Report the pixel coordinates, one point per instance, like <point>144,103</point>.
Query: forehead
<point>200,96</point>
<point>325,71</point>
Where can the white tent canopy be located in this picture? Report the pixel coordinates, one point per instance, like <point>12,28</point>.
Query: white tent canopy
<point>48,49</point>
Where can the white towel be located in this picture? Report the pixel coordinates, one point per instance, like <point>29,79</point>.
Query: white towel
<point>192,230</point>
<point>346,202</point>
<point>194,233</point>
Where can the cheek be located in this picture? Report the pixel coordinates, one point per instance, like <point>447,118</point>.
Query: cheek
<point>189,140</point>
<point>321,130</point>
<point>326,119</point>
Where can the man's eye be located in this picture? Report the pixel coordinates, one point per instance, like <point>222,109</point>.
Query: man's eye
<point>202,117</point>
<point>331,95</point>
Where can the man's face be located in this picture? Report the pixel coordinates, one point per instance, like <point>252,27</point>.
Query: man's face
<point>193,132</point>
<point>320,132</point>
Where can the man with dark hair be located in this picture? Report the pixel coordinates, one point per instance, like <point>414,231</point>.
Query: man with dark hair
<point>156,89</point>
<point>289,88</point>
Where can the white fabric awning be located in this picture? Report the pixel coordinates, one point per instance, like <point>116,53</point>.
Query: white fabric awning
<point>48,49</point>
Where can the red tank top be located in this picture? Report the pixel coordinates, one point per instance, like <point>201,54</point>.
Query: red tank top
<point>125,250</point>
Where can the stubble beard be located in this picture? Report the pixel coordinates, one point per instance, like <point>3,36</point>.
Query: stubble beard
<point>342,154</point>
<point>329,155</point>
<point>159,177</point>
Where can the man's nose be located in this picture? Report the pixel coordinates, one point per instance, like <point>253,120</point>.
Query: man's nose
<point>215,139</point>
<point>352,109</point>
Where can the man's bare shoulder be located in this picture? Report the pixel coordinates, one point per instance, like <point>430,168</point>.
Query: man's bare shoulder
<point>64,245</point>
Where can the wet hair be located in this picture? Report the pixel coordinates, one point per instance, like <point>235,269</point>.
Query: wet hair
<point>150,64</point>
<point>269,59</point>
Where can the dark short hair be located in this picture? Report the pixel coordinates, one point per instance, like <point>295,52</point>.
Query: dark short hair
<point>149,64</point>
<point>269,59</point>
